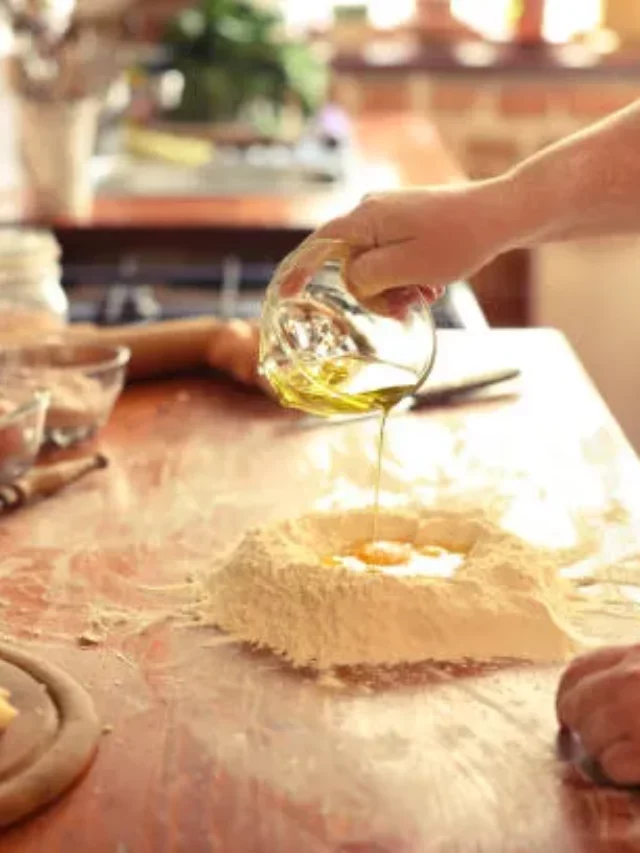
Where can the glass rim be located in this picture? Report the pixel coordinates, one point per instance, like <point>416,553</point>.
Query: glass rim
<point>106,356</point>
<point>37,401</point>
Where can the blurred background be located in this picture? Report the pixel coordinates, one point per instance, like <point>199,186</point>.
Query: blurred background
<point>177,150</point>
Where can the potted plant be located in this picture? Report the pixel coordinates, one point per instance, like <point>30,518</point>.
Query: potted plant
<point>236,63</point>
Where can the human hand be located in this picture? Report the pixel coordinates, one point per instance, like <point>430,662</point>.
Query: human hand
<point>599,701</point>
<point>427,237</point>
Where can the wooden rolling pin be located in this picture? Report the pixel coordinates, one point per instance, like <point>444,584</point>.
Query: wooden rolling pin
<point>157,349</point>
<point>169,347</point>
<point>44,481</point>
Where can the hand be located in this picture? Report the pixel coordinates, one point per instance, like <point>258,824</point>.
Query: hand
<point>427,237</point>
<point>234,350</point>
<point>599,701</point>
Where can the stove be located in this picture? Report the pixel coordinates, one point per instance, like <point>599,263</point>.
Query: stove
<point>106,295</point>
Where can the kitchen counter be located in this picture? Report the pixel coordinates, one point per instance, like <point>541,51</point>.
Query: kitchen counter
<point>393,151</point>
<point>214,748</point>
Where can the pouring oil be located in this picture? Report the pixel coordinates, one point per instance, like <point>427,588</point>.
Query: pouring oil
<point>341,385</point>
<point>350,384</point>
<point>378,474</point>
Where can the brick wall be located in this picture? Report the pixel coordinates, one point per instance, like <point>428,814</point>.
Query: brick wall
<point>489,125</point>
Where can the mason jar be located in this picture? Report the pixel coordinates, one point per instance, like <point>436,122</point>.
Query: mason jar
<point>32,301</point>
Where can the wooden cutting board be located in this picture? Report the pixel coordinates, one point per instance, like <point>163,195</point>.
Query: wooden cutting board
<point>52,740</point>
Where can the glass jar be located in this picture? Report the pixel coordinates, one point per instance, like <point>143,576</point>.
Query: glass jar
<point>32,301</point>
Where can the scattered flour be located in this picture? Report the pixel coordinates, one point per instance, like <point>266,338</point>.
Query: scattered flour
<point>277,589</point>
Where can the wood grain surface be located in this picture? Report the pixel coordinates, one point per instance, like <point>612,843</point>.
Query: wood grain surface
<point>218,749</point>
<point>52,740</point>
<point>33,729</point>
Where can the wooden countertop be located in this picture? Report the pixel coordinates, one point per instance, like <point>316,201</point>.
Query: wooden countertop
<point>216,748</point>
<point>395,151</point>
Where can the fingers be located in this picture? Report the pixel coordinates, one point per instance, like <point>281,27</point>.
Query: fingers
<point>598,700</point>
<point>601,729</point>
<point>372,272</point>
<point>585,665</point>
<point>594,691</point>
<point>400,265</point>
<point>381,256</point>
<point>383,279</point>
<point>357,229</point>
<point>386,250</point>
<point>381,218</point>
<point>621,763</point>
<point>397,302</point>
<point>433,293</point>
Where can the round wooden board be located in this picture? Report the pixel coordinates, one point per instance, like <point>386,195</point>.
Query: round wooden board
<point>52,740</point>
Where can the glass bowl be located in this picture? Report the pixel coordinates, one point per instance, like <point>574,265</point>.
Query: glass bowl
<point>325,353</point>
<point>83,380</point>
<point>22,420</point>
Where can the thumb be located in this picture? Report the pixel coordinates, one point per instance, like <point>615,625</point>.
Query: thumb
<point>354,229</point>
<point>371,273</point>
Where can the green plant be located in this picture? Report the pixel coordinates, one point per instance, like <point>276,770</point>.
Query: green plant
<point>232,54</point>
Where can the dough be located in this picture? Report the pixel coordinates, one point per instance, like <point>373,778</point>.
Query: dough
<point>288,586</point>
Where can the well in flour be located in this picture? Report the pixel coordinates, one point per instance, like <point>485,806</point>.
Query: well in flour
<point>302,588</point>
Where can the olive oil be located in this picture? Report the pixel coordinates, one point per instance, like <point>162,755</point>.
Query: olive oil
<point>378,475</point>
<point>348,384</point>
<point>325,353</point>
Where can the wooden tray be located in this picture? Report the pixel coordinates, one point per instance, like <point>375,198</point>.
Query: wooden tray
<point>50,743</point>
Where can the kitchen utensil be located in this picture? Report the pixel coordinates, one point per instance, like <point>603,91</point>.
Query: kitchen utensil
<point>325,353</point>
<point>83,380</point>
<point>47,480</point>
<point>58,173</point>
<point>157,349</point>
<point>60,71</point>
<point>21,431</point>
<point>51,742</point>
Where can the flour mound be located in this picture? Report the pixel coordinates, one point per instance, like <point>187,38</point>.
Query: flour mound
<point>506,600</point>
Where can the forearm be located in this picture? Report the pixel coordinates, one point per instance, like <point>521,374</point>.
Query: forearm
<point>587,185</point>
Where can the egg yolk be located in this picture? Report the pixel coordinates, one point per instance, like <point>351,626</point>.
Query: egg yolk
<point>401,559</point>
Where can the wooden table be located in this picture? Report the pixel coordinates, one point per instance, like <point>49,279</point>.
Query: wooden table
<point>216,749</point>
